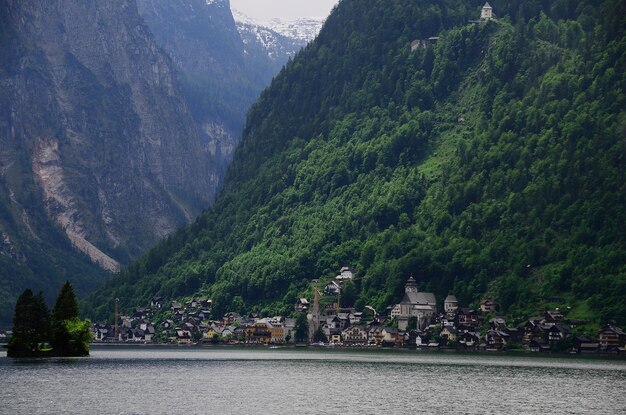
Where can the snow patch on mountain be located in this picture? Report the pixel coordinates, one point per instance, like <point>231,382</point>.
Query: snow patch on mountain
<point>303,29</point>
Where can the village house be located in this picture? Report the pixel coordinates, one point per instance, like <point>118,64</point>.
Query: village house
<point>469,340</point>
<point>449,333</point>
<point>355,317</point>
<point>289,327</point>
<point>446,321</point>
<point>183,336</point>
<point>103,332</point>
<point>537,346</point>
<point>611,337</point>
<point>496,339</point>
<point>211,332</point>
<point>487,306</point>
<point>230,317</point>
<point>331,289</point>
<point>375,335</point>
<point>515,335</point>
<point>277,331</point>
<point>335,338</point>
<point>534,330</point>
<point>450,305</point>
<point>558,332</point>
<point>302,305</point>
<point>344,320</point>
<point>497,323</point>
<point>587,348</point>
<point>552,317</point>
<point>258,333</point>
<point>355,335</point>
<point>331,326</point>
<point>467,317</point>
<point>345,274</point>
<point>392,337</point>
<point>228,332</point>
<point>583,344</point>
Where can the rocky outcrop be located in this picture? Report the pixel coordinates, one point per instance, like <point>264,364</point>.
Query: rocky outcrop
<point>62,206</point>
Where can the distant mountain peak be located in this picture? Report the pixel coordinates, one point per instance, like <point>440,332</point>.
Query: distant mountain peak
<point>304,29</point>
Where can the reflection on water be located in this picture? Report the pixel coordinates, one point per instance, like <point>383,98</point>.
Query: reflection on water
<point>165,380</point>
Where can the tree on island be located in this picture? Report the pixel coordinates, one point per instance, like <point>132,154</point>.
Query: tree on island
<point>31,326</point>
<point>70,335</point>
<point>34,331</point>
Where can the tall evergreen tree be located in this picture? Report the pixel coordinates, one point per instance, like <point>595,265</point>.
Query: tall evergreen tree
<point>66,306</point>
<point>70,335</point>
<point>40,320</point>
<point>31,325</point>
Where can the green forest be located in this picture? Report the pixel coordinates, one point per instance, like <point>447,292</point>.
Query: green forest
<point>489,165</point>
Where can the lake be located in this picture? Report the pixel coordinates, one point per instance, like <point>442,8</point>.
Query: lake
<point>224,380</point>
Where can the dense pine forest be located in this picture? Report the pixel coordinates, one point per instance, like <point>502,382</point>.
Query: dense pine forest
<point>491,164</point>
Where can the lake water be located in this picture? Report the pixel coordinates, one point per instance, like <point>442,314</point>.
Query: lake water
<point>171,380</point>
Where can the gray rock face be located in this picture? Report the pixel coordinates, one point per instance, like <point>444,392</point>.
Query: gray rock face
<point>91,107</point>
<point>222,69</point>
<point>117,121</point>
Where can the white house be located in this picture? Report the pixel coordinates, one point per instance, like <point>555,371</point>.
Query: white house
<point>346,274</point>
<point>450,304</point>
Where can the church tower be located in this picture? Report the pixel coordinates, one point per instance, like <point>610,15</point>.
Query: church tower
<point>314,316</point>
<point>487,12</point>
<point>411,285</point>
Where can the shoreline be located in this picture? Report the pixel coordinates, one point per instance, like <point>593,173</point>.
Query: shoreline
<point>510,353</point>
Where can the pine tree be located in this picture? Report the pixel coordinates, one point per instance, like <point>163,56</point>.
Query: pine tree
<point>31,325</point>
<point>70,335</point>
<point>66,306</point>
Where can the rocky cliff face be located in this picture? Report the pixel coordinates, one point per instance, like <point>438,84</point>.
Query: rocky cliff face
<point>222,69</point>
<point>95,104</point>
<point>96,138</point>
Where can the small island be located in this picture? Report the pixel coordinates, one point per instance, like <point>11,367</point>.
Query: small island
<point>37,333</point>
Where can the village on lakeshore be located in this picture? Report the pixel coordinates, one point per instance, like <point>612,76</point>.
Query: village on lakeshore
<point>417,321</point>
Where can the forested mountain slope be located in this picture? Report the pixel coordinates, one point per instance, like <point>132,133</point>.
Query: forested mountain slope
<point>490,164</point>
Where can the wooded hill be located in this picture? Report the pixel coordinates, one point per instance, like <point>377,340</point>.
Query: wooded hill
<point>490,165</point>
